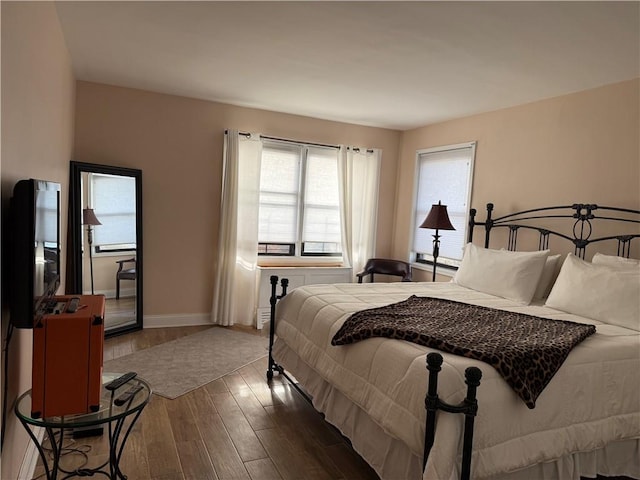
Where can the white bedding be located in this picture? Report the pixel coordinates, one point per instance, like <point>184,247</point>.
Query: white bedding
<point>593,401</point>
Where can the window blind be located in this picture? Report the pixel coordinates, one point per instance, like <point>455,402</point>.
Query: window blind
<point>279,193</point>
<point>321,198</point>
<point>114,202</point>
<point>444,175</point>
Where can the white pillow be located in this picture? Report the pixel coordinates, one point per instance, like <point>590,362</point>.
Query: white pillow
<point>599,292</point>
<point>615,262</point>
<point>549,274</point>
<point>511,275</point>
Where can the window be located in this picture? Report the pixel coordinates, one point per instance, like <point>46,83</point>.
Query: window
<point>299,200</point>
<point>444,174</point>
<point>113,199</point>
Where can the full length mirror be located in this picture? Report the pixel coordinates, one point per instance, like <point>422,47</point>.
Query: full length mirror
<point>105,241</point>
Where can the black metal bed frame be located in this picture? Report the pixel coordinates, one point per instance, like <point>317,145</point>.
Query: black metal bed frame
<point>468,406</point>
<point>583,214</point>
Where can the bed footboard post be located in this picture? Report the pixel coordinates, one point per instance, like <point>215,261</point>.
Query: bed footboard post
<point>272,316</point>
<point>472,377</point>
<point>434,363</point>
<point>272,320</point>
<point>469,407</point>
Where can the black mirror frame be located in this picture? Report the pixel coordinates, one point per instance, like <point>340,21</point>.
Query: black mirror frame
<point>73,283</point>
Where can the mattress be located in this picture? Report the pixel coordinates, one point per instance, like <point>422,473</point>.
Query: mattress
<point>592,403</point>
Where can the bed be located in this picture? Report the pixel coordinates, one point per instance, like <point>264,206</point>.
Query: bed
<point>586,420</point>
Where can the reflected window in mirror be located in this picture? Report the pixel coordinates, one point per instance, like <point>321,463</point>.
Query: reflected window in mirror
<point>113,199</point>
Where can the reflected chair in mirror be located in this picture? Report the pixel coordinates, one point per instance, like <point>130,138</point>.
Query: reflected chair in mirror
<point>384,266</point>
<point>124,273</point>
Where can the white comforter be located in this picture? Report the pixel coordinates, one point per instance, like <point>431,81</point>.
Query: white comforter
<point>593,400</point>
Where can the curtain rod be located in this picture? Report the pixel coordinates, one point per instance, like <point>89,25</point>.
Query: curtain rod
<point>266,137</point>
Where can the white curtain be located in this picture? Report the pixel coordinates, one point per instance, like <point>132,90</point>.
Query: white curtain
<point>358,174</point>
<point>234,299</point>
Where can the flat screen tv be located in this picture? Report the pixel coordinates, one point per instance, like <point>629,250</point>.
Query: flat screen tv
<point>34,256</point>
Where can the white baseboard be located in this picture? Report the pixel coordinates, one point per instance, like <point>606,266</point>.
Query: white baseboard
<point>177,320</point>
<point>31,456</point>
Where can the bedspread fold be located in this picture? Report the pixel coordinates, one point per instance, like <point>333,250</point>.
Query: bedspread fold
<point>526,350</point>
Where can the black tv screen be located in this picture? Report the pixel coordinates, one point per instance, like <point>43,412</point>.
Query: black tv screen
<point>34,258</point>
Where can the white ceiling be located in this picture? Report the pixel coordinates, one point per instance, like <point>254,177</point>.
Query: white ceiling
<point>391,64</point>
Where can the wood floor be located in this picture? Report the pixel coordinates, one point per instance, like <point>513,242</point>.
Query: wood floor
<point>237,427</point>
<point>120,312</point>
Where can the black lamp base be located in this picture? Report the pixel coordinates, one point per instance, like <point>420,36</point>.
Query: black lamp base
<point>436,252</point>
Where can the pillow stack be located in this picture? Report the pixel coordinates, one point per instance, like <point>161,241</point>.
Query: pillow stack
<point>607,289</point>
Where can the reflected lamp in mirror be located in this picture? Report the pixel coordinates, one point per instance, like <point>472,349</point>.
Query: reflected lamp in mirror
<point>90,220</point>
<point>437,219</point>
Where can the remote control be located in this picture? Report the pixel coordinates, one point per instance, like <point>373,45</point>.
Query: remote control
<point>73,305</point>
<point>121,380</point>
<point>128,395</point>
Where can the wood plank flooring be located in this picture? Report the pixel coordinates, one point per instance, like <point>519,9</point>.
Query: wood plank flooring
<point>120,312</point>
<point>236,427</point>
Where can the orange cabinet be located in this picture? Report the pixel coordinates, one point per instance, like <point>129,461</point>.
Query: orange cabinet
<point>67,358</point>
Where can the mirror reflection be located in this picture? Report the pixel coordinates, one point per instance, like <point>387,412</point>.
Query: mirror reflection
<point>106,206</point>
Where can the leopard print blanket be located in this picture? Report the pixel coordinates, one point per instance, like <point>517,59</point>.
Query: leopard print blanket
<point>526,350</point>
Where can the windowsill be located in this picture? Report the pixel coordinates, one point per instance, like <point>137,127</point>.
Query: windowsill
<point>442,270</point>
<point>300,262</point>
<point>130,253</point>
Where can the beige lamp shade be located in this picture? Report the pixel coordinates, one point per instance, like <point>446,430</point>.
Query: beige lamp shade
<point>89,217</point>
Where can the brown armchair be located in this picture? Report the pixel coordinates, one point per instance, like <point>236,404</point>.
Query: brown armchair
<point>124,273</point>
<point>384,266</point>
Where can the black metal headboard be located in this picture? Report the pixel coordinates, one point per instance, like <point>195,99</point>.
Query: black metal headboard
<point>582,215</point>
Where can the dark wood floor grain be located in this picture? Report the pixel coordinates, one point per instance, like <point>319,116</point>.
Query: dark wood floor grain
<point>236,427</point>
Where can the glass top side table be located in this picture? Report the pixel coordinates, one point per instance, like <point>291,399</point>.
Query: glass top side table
<point>112,413</point>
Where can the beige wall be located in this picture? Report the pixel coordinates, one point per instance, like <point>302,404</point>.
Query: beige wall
<point>37,132</point>
<point>177,143</point>
<point>579,148</point>
<point>576,148</point>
